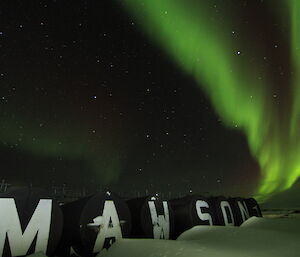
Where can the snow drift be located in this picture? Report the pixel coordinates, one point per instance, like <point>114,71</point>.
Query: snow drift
<point>260,237</point>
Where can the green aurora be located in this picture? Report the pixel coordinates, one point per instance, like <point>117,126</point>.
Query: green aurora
<point>201,44</point>
<point>56,137</point>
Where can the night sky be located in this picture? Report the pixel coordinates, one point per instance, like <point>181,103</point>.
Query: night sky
<point>88,99</point>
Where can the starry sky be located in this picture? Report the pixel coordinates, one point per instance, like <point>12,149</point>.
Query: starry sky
<point>88,99</point>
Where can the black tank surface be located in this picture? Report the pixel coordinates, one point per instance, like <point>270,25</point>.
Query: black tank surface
<point>253,207</point>
<point>152,218</point>
<point>223,211</point>
<point>93,223</point>
<point>240,210</point>
<point>190,211</point>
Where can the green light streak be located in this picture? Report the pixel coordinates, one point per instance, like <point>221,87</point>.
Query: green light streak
<point>58,140</point>
<point>203,47</point>
<point>294,8</point>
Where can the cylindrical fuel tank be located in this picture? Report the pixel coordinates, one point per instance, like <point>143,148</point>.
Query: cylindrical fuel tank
<point>93,223</point>
<point>223,211</point>
<point>253,207</point>
<point>152,218</point>
<point>190,211</point>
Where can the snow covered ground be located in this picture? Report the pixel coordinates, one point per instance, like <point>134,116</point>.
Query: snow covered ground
<point>278,236</point>
<point>259,237</point>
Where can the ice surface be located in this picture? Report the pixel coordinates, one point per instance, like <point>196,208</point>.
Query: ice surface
<point>259,237</point>
<point>285,225</point>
